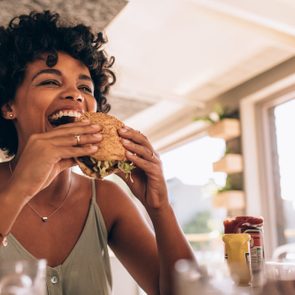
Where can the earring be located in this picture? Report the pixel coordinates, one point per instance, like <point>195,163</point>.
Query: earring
<point>11,116</point>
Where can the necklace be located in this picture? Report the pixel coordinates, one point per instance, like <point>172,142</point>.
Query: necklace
<point>45,218</point>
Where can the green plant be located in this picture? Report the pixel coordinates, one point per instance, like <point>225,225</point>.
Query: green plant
<point>199,223</point>
<point>218,113</point>
<point>229,185</point>
<point>226,187</point>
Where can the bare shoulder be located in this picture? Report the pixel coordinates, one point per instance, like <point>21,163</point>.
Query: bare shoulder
<point>108,192</point>
<point>113,202</point>
<point>129,235</point>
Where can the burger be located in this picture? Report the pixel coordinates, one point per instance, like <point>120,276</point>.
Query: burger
<point>110,155</point>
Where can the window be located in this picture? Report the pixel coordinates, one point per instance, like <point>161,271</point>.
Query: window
<point>283,115</point>
<point>268,150</point>
<point>191,185</point>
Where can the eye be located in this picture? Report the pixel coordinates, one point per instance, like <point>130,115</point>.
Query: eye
<point>50,82</point>
<point>86,89</point>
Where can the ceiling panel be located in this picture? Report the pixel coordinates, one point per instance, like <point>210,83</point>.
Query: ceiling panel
<point>96,13</point>
<point>189,47</point>
<point>187,51</point>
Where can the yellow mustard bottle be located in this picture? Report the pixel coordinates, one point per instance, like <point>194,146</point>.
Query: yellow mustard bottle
<point>237,254</point>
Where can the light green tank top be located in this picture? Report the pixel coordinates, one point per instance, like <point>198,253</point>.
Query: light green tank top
<point>86,271</point>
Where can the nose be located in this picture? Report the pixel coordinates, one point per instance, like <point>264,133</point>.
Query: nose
<point>78,97</point>
<point>74,95</point>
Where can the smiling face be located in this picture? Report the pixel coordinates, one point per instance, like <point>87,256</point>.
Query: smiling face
<point>49,93</point>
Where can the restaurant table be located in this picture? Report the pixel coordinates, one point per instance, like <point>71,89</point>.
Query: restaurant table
<point>210,281</point>
<point>226,286</point>
<point>219,288</point>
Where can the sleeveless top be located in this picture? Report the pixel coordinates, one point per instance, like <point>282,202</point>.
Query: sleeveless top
<point>86,271</point>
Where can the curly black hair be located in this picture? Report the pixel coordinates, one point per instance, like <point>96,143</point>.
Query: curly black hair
<point>26,38</point>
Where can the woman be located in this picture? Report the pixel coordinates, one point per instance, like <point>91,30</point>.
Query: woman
<point>46,211</point>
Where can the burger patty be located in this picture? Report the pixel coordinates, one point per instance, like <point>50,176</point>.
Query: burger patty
<point>94,164</point>
<point>110,156</point>
<point>104,168</point>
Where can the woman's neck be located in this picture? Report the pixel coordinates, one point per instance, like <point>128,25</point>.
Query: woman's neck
<point>56,192</point>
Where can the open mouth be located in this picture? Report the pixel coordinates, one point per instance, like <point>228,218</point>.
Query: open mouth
<point>63,117</point>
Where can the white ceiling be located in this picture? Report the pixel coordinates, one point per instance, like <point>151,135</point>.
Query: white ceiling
<point>172,56</point>
<point>94,13</point>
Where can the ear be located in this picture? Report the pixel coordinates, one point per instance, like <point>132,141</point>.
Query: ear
<point>7,111</point>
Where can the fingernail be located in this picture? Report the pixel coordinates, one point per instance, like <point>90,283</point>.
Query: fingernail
<point>129,153</point>
<point>95,126</point>
<point>124,129</point>
<point>97,135</point>
<point>125,141</point>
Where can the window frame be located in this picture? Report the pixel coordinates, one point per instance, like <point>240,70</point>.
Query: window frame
<point>259,147</point>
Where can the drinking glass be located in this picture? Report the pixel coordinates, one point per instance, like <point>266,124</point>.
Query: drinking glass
<point>25,277</point>
<point>205,280</point>
<point>279,278</point>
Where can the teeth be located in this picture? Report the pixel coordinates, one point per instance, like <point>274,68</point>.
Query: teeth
<point>67,113</point>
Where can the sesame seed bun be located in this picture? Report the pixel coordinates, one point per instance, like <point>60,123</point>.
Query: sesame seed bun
<point>110,149</point>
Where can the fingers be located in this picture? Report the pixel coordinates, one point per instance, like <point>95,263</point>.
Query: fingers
<point>63,144</point>
<point>73,129</point>
<point>80,133</point>
<point>66,147</point>
<point>135,136</point>
<point>73,152</point>
<point>151,169</point>
<point>138,144</point>
<point>140,151</point>
<point>77,140</point>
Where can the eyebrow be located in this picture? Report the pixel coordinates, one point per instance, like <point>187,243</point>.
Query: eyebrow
<point>47,71</point>
<point>85,77</point>
<point>58,73</point>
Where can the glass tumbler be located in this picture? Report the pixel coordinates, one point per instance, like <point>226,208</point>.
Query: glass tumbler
<point>24,277</point>
<point>279,278</point>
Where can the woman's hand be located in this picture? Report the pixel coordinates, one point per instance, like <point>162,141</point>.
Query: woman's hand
<point>148,184</point>
<point>47,154</point>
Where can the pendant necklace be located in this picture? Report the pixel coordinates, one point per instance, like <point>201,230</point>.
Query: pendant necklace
<point>44,218</point>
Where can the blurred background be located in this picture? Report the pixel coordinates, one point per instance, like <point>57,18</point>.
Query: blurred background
<point>185,67</point>
<point>212,85</point>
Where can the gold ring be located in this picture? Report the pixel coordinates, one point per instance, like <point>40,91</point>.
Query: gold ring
<point>78,139</point>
